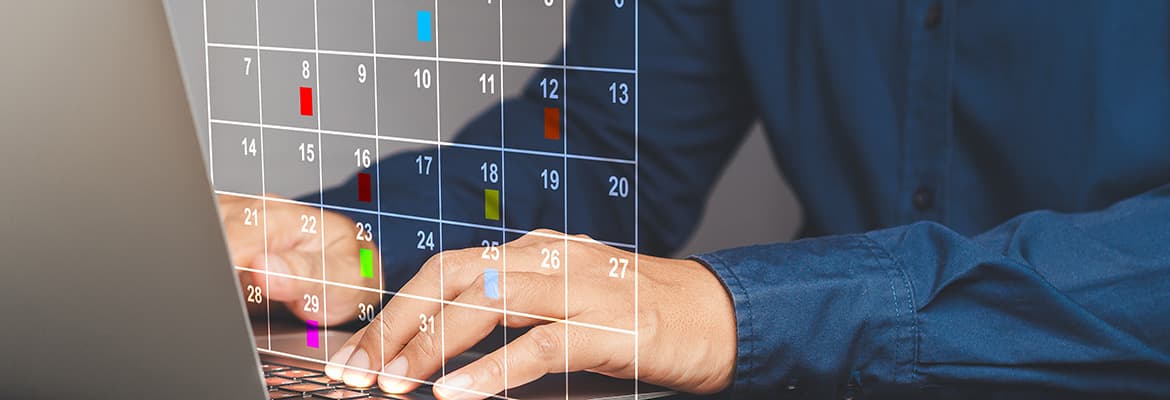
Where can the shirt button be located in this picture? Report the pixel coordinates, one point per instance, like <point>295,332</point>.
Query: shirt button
<point>933,16</point>
<point>923,198</point>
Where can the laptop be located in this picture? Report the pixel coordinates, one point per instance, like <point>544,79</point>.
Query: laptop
<point>115,277</point>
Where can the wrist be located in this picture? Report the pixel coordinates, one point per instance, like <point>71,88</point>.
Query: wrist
<point>698,317</point>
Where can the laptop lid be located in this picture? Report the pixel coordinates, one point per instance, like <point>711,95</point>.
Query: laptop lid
<point>115,279</point>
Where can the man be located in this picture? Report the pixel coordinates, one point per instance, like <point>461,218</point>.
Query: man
<point>987,199</point>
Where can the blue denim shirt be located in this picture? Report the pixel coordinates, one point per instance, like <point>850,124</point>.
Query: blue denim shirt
<point>986,185</point>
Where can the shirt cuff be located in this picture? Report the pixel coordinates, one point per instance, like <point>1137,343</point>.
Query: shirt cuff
<point>818,317</point>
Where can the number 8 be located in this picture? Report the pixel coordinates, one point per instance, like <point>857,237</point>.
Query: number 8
<point>305,69</point>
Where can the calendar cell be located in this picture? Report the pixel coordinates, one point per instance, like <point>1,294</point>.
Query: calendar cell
<point>287,23</point>
<point>538,127</point>
<point>345,25</point>
<point>348,158</point>
<point>478,175</point>
<point>470,91</point>
<point>231,22</point>
<point>405,27</point>
<point>407,105</point>
<point>290,163</point>
<point>600,113</point>
<point>234,79</point>
<point>533,30</point>
<point>469,29</point>
<point>236,150</point>
<point>409,179</point>
<point>347,103</point>
<point>286,75</point>
<point>601,201</point>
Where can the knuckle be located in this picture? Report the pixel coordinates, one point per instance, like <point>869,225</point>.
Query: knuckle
<point>544,231</point>
<point>546,342</point>
<point>480,290</point>
<point>516,321</point>
<point>384,323</point>
<point>543,235</point>
<point>423,347</point>
<point>494,367</point>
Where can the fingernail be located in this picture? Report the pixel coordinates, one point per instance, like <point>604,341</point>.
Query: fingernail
<point>354,377</point>
<point>389,381</point>
<point>335,368</point>
<point>455,387</point>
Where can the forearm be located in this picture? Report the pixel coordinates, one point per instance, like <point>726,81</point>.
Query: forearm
<point>1046,301</point>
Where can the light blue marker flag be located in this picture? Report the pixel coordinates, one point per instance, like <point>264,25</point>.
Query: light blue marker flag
<point>491,279</point>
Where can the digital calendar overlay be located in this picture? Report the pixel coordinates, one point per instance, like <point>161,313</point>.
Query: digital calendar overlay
<point>380,92</point>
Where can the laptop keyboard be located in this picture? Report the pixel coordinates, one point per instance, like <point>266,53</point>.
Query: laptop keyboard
<point>287,382</point>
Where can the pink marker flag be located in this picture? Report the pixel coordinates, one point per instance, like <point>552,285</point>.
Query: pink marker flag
<point>312,335</point>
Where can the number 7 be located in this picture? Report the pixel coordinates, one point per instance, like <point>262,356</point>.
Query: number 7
<point>247,65</point>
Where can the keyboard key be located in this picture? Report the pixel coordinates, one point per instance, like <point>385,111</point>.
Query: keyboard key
<point>324,380</point>
<point>277,381</point>
<point>272,368</point>
<point>280,394</point>
<point>297,374</point>
<point>341,394</point>
<point>305,388</point>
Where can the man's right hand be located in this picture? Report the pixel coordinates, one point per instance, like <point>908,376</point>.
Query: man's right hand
<point>286,239</point>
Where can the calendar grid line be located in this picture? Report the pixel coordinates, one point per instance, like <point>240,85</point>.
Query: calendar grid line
<point>503,189</point>
<point>637,195</point>
<point>565,168</point>
<point>439,156</point>
<point>207,95</point>
<point>455,60</point>
<point>320,167</point>
<point>436,300</point>
<point>263,176</point>
<point>439,143</point>
<point>424,219</point>
<point>381,273</point>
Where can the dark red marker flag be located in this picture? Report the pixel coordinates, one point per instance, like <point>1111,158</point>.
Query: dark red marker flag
<point>365,193</point>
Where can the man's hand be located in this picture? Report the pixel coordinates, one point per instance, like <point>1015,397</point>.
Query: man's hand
<point>294,236</point>
<point>685,320</point>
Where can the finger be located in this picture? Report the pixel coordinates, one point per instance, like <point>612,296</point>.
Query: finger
<point>541,351</point>
<point>335,368</point>
<point>472,317</point>
<point>414,306</point>
<point>292,274</point>
<point>445,276</point>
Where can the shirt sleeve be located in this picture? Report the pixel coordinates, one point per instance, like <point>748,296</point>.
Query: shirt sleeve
<point>1045,303</point>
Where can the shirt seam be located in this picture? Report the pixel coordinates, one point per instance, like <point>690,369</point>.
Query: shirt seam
<point>895,265</point>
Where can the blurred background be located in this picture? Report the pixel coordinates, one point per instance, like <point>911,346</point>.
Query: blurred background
<point>750,203</point>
